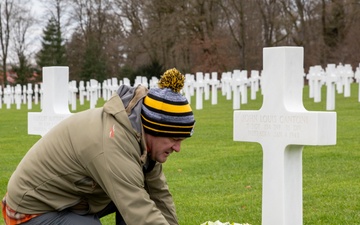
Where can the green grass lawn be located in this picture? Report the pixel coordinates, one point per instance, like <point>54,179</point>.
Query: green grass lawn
<point>215,178</point>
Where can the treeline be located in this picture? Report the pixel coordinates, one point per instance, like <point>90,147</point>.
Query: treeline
<point>128,38</point>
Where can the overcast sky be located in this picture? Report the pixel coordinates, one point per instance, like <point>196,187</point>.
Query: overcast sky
<point>39,11</point>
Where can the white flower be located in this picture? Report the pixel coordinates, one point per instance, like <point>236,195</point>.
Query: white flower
<point>217,222</point>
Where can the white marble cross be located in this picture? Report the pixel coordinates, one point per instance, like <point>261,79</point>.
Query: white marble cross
<point>357,77</point>
<point>8,96</point>
<point>330,81</point>
<point>226,84</point>
<point>73,90</point>
<point>0,97</point>
<point>214,82</point>
<point>36,94</point>
<point>348,78</point>
<point>283,126</point>
<point>113,86</point>
<point>137,81</point>
<point>199,85</point>
<point>55,105</point>
<point>153,83</point>
<point>254,83</point>
<point>24,94</point>
<point>237,84</point>
<point>206,86</point>
<point>189,86</point>
<point>18,96</point>
<point>93,93</point>
<point>243,88</point>
<point>29,96</point>
<point>126,81</point>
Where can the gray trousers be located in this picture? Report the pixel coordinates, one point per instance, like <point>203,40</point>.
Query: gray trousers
<point>67,217</point>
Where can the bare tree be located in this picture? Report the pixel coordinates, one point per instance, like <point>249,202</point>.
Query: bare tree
<point>272,27</point>
<point>97,34</point>
<point>246,35</point>
<point>22,23</point>
<point>207,35</point>
<point>201,19</point>
<point>337,18</point>
<point>299,23</point>
<point>131,13</point>
<point>7,10</point>
<point>59,10</point>
<point>350,52</point>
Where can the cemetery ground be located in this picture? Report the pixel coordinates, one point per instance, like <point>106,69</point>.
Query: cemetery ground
<point>216,178</point>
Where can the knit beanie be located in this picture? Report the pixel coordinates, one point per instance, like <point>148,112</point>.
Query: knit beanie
<point>165,112</point>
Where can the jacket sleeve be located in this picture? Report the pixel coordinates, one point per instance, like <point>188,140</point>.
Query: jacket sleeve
<point>155,184</point>
<point>119,173</point>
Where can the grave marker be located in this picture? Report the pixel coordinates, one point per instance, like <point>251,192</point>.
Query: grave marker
<point>144,82</point>
<point>18,96</point>
<point>93,93</point>
<point>36,94</point>
<point>222,80</point>
<point>243,88</point>
<point>54,103</point>
<point>24,97</point>
<point>318,77</point>
<point>227,83</point>
<point>106,89</point>
<point>237,83</point>
<point>113,86</point>
<point>87,90</point>
<point>283,126</point>
<point>188,86</point>
<point>73,90</point>
<point>357,77</point>
<point>348,78</point>
<point>199,85</point>
<point>126,81</point>
<point>340,75</point>
<point>330,81</point>
<point>0,97</point>
<point>153,83</point>
<point>206,86</point>
<point>99,90</point>
<point>254,83</point>
<point>214,82</point>
<point>7,96</point>
<point>137,81</point>
<point>29,93</point>
<point>82,92</point>
<point>41,91</point>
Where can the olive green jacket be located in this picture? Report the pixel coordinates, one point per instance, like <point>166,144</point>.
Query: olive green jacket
<point>90,159</point>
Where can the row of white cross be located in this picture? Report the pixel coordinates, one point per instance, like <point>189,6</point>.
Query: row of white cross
<point>234,85</point>
<point>93,90</point>
<point>335,78</point>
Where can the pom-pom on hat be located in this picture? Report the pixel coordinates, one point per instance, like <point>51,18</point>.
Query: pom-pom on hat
<point>165,112</point>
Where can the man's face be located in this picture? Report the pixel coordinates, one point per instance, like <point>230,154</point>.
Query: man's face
<point>161,147</point>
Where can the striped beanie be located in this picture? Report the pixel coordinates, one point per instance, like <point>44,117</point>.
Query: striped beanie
<point>165,112</point>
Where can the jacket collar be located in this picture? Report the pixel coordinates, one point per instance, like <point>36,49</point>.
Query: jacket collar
<point>125,106</point>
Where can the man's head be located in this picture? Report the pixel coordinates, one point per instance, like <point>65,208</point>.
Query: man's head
<point>165,111</point>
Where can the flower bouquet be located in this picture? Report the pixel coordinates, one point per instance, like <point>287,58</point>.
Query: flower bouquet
<point>217,222</point>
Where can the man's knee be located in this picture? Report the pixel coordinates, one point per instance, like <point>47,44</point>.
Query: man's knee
<point>64,218</point>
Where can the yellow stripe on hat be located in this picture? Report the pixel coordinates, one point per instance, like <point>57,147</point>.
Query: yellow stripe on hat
<point>165,125</point>
<point>167,131</point>
<point>159,105</point>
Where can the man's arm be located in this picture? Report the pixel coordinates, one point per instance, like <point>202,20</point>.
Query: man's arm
<point>119,172</point>
<point>155,184</point>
